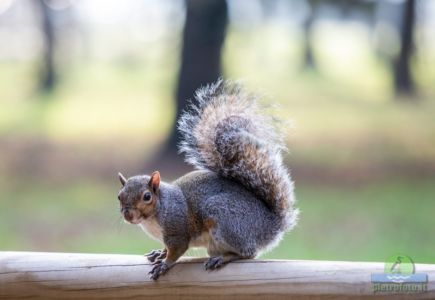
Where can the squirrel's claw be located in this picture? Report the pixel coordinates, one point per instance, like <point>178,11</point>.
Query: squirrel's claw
<point>151,253</point>
<point>159,258</point>
<point>214,263</point>
<point>159,268</point>
<point>156,255</point>
<point>162,255</point>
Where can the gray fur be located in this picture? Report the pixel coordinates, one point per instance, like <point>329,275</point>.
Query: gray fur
<point>240,202</point>
<point>244,224</point>
<point>227,133</point>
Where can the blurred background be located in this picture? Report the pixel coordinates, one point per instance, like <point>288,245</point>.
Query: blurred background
<point>90,88</point>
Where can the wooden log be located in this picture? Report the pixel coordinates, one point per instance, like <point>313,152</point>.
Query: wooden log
<point>100,276</point>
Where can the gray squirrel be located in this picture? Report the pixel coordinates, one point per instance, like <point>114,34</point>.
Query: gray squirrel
<point>238,203</point>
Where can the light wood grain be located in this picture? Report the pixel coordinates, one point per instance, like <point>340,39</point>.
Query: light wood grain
<point>102,276</point>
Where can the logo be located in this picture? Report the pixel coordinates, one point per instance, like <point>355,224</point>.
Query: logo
<point>399,277</point>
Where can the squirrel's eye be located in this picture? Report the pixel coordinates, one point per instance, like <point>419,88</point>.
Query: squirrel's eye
<point>147,196</point>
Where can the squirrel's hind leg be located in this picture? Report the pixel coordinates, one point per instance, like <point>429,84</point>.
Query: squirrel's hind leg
<point>215,262</point>
<point>222,252</point>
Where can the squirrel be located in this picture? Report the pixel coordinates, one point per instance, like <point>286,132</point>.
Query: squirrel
<point>238,203</point>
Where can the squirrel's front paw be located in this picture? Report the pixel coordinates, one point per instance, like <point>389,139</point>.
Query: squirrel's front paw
<point>156,255</point>
<point>159,268</point>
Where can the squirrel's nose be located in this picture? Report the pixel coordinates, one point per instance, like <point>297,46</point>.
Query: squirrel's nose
<point>127,214</point>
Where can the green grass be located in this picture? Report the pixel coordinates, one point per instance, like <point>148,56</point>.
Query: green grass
<point>368,223</point>
<point>333,126</point>
<point>92,102</point>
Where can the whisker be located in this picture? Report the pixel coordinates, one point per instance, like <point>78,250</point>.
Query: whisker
<point>119,225</point>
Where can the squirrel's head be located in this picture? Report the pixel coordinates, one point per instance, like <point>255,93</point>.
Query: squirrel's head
<point>138,196</point>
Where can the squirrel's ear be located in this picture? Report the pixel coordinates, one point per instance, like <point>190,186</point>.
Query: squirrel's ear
<point>154,182</point>
<point>122,179</point>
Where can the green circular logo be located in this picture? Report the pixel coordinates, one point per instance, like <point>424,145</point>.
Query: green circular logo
<point>399,264</point>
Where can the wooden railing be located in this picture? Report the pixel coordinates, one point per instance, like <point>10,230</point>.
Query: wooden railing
<point>99,276</point>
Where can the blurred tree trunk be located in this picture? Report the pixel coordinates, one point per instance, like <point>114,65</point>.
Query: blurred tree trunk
<point>47,73</point>
<point>203,38</point>
<point>309,62</point>
<point>403,81</point>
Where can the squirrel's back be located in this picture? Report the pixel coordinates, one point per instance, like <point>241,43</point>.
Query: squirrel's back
<point>227,133</point>
<point>215,202</point>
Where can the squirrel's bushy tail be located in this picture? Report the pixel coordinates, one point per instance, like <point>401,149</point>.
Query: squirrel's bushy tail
<point>226,132</point>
